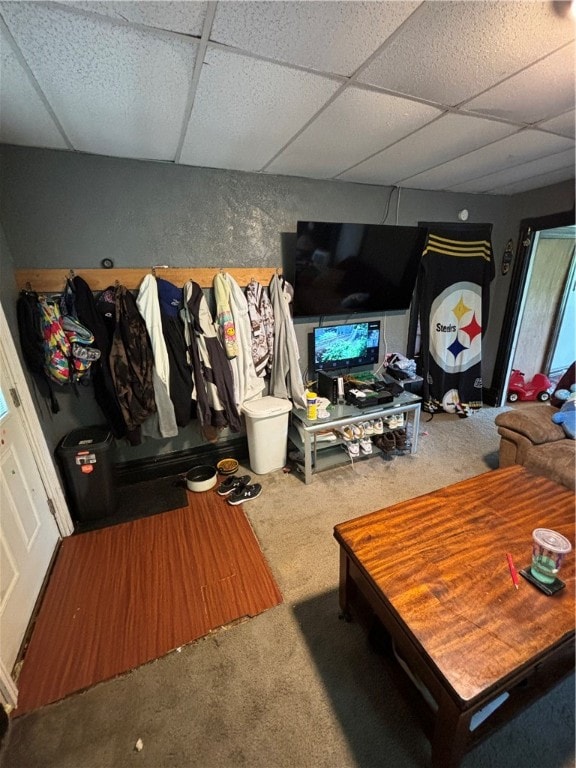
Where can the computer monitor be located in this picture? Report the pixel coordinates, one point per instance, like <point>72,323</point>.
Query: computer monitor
<point>350,345</point>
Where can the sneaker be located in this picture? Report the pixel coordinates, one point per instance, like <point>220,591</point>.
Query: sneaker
<point>357,430</point>
<point>378,426</point>
<point>345,433</point>
<point>401,439</point>
<point>245,493</point>
<point>386,443</point>
<point>232,484</point>
<point>353,449</point>
<point>366,445</point>
<point>368,427</point>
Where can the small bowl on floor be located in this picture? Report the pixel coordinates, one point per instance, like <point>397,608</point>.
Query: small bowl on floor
<point>227,466</point>
<point>201,478</point>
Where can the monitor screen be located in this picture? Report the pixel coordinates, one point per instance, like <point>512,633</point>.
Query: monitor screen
<point>354,268</point>
<point>346,346</point>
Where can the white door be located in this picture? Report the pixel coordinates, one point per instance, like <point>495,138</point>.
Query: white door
<point>28,531</point>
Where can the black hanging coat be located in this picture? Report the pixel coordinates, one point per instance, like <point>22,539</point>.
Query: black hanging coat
<point>104,388</point>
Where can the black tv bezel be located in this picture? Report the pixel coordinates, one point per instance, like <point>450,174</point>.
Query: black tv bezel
<point>347,364</point>
<point>388,302</point>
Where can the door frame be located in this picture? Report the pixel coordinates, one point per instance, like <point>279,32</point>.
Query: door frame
<point>33,428</point>
<point>41,454</point>
<point>496,394</point>
<point>559,320</point>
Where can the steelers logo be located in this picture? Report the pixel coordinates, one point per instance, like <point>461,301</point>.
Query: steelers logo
<point>456,327</point>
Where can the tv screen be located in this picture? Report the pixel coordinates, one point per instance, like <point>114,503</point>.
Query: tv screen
<point>346,346</point>
<point>354,268</point>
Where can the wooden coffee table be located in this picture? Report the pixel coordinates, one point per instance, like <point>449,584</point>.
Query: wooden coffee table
<point>433,571</point>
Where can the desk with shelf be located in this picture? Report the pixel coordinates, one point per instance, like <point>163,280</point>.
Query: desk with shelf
<point>330,454</point>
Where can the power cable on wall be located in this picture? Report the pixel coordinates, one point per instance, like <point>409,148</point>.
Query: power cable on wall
<point>387,209</point>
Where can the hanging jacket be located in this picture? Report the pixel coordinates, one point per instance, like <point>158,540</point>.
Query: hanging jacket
<point>213,388</point>
<point>247,385</point>
<point>149,307</point>
<point>224,318</point>
<point>286,377</point>
<point>132,364</point>
<point>104,387</point>
<point>261,317</point>
<point>170,298</point>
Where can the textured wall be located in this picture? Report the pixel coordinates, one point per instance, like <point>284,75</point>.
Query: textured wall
<point>61,209</point>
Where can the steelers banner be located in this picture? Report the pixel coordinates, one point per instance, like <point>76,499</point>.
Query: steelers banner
<point>453,302</point>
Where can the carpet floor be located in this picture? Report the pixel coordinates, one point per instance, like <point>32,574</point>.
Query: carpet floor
<point>294,687</point>
<point>124,595</point>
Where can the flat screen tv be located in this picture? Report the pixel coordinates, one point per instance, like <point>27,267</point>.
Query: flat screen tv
<point>346,346</point>
<point>342,269</point>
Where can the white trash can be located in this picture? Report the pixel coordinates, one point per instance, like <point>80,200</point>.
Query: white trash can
<point>267,431</point>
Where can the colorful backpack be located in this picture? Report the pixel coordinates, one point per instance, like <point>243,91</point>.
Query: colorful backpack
<point>57,347</point>
<point>67,351</point>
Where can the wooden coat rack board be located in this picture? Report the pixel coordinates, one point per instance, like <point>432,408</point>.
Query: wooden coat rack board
<point>54,280</point>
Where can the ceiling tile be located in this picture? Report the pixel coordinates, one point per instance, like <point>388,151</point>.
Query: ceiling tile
<point>24,118</point>
<point>278,90</point>
<point>326,36</point>
<point>563,124</point>
<point>513,150</point>
<point>116,90</point>
<point>450,136</point>
<point>560,161</point>
<point>183,17</point>
<point>356,124</point>
<point>465,47</point>
<point>239,126</point>
<point>545,180</point>
<point>543,89</point>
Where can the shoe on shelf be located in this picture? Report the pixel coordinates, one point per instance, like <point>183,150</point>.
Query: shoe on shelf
<point>358,430</point>
<point>386,443</point>
<point>395,421</point>
<point>366,445</point>
<point>232,484</point>
<point>245,493</point>
<point>345,432</point>
<point>378,426</point>
<point>353,449</point>
<point>401,439</point>
<point>368,427</point>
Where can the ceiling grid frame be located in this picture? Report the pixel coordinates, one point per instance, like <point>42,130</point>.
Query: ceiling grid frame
<point>288,37</point>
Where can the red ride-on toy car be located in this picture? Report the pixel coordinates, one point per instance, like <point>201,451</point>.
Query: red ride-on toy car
<point>537,389</point>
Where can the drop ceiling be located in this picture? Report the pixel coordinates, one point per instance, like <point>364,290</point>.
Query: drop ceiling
<point>473,97</point>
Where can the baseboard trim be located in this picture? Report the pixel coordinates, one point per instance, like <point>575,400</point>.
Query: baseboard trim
<point>154,467</point>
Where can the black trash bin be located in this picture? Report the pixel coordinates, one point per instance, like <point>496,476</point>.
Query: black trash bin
<point>84,455</point>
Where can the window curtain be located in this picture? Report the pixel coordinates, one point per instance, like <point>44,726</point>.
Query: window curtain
<point>453,295</point>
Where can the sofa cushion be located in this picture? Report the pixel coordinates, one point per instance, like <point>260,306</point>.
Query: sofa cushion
<point>535,423</point>
<point>555,461</point>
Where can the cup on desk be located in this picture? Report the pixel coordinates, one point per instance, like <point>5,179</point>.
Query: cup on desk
<point>549,548</point>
